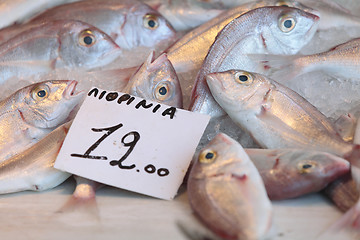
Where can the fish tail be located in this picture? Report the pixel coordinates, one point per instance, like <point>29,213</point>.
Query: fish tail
<point>83,197</point>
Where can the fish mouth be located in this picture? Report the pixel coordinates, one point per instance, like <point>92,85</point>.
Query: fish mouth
<point>237,177</point>
<point>70,90</point>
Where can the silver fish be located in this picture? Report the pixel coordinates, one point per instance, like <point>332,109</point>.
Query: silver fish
<point>289,173</point>
<point>269,29</point>
<point>54,45</point>
<point>129,22</point>
<point>156,80</point>
<point>275,116</point>
<point>32,169</point>
<point>189,52</point>
<point>227,193</point>
<point>32,112</point>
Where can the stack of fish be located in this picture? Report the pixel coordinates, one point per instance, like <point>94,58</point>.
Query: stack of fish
<point>256,67</point>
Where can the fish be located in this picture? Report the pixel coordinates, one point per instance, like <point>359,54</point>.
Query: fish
<point>188,53</point>
<point>274,115</point>
<point>340,61</point>
<point>33,168</point>
<point>65,45</point>
<point>290,173</point>
<point>130,23</point>
<point>188,14</point>
<point>226,192</point>
<point>31,113</point>
<point>249,34</point>
<point>156,80</point>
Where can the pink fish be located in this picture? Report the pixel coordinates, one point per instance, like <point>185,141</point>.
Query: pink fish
<point>226,192</point>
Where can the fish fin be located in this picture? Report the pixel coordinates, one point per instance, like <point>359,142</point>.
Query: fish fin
<point>345,127</point>
<point>83,197</point>
<point>279,67</point>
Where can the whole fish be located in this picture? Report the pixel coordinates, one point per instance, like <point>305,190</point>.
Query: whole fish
<point>65,45</point>
<point>31,113</point>
<point>289,173</point>
<point>185,15</point>
<point>340,61</point>
<point>189,52</point>
<point>156,80</point>
<point>130,23</point>
<point>275,116</point>
<point>265,30</point>
<point>33,169</point>
<point>226,192</point>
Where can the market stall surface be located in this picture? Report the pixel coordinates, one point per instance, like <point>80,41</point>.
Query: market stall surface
<point>122,214</point>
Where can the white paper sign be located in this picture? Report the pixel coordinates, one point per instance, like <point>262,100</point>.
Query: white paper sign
<point>131,143</point>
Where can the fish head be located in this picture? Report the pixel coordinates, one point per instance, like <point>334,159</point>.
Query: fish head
<point>235,90</point>
<point>49,104</point>
<point>318,166</point>
<point>222,157</point>
<point>145,26</point>
<point>289,30</point>
<point>85,46</point>
<point>157,80</point>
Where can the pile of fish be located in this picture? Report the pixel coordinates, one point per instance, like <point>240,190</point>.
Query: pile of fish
<point>279,79</point>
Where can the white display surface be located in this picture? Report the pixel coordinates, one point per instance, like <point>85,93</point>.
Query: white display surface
<point>128,215</point>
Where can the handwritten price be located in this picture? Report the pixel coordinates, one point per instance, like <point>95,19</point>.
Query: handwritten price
<point>162,172</point>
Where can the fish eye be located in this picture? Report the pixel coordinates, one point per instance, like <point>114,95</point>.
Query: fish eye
<point>207,156</point>
<point>286,23</point>
<point>306,166</point>
<point>87,38</point>
<point>283,4</point>
<point>40,92</point>
<point>150,21</point>
<point>162,91</point>
<point>244,78</point>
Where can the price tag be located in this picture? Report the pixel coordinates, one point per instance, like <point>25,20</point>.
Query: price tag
<point>131,143</point>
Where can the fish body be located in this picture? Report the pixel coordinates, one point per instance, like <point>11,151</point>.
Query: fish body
<point>54,45</point>
<point>32,169</point>
<point>156,80</point>
<point>289,173</point>
<point>226,192</point>
<point>275,116</point>
<point>32,112</point>
<point>259,30</point>
<point>129,22</point>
